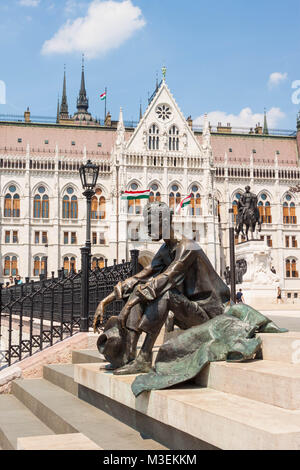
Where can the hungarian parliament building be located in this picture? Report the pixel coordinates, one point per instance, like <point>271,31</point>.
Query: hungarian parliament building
<point>43,211</point>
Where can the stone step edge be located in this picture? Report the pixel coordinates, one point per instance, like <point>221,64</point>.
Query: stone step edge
<point>158,405</point>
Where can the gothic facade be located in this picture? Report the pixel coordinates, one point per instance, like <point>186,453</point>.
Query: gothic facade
<point>43,212</point>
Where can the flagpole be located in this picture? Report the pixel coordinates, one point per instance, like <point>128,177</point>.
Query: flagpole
<point>105,104</point>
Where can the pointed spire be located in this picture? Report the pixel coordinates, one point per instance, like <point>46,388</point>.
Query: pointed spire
<point>57,113</point>
<point>164,72</point>
<point>141,111</point>
<point>82,101</point>
<point>64,109</point>
<point>266,130</point>
<point>298,121</point>
<point>156,85</point>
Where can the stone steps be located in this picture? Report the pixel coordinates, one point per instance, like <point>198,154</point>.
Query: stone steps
<point>86,356</point>
<point>16,420</point>
<point>64,413</point>
<point>222,420</point>
<point>61,375</point>
<point>283,347</point>
<point>75,441</point>
<point>270,382</point>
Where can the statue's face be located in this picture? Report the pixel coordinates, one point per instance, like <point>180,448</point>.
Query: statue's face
<point>247,189</point>
<point>158,228</point>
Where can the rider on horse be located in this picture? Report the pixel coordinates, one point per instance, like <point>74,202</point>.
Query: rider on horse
<point>248,213</point>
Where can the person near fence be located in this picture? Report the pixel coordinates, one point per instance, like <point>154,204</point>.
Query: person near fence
<point>180,278</point>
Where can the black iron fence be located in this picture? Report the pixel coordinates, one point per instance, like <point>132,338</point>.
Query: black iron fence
<point>35,315</point>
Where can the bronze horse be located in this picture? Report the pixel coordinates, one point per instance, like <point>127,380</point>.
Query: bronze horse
<point>250,218</point>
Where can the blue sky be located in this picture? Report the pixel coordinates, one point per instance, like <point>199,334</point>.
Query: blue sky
<point>227,58</point>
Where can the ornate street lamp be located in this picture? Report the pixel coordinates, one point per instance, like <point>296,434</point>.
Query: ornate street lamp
<point>232,256</point>
<point>89,175</point>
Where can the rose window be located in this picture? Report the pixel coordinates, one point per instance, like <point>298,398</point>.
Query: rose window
<point>163,112</point>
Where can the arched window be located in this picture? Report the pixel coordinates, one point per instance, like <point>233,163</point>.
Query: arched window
<point>291,268</point>
<point>134,205</point>
<point>39,265</point>
<point>10,266</point>
<point>37,207</point>
<point>195,206</point>
<point>264,207</point>
<point>7,205</point>
<point>174,197</point>
<point>41,204</point>
<point>12,203</point>
<point>153,137</point>
<point>154,193</point>
<point>74,207</point>
<point>98,205</point>
<point>45,207</point>
<point>98,263</point>
<point>70,205</point>
<point>289,211</point>
<point>174,138</point>
<point>69,264</point>
<point>237,197</point>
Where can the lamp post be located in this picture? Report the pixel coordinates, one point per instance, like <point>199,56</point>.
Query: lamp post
<point>89,176</point>
<point>232,256</point>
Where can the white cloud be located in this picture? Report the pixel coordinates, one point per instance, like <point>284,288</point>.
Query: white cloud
<point>106,26</point>
<point>276,78</point>
<point>29,3</point>
<point>246,118</point>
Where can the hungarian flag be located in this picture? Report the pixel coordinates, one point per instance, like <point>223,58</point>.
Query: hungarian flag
<point>185,202</point>
<point>129,195</point>
<point>103,96</point>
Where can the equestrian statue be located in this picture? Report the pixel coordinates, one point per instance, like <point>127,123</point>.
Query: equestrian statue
<point>248,214</point>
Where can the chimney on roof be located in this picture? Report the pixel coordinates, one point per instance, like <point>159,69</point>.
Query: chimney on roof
<point>27,115</point>
<point>107,122</point>
<point>224,129</point>
<point>258,129</point>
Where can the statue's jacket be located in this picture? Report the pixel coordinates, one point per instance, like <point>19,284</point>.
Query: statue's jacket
<point>185,271</point>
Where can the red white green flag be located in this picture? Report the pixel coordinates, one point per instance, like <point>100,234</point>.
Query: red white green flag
<point>103,96</point>
<point>129,195</point>
<point>185,202</point>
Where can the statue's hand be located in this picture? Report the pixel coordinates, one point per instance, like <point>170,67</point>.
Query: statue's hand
<point>124,315</point>
<point>98,318</point>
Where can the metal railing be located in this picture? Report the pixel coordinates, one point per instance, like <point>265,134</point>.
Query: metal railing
<point>38,314</point>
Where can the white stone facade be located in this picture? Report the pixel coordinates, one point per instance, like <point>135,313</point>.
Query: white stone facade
<point>178,158</point>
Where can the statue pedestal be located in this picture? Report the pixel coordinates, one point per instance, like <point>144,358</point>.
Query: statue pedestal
<point>231,406</point>
<point>259,283</point>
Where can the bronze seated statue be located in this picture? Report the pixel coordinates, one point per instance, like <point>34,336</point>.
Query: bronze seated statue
<point>180,279</point>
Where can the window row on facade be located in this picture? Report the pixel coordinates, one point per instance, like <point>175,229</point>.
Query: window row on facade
<point>41,204</point>
<point>41,238</point>
<point>11,265</point>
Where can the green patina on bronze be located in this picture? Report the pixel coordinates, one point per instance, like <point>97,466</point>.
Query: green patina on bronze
<point>227,337</point>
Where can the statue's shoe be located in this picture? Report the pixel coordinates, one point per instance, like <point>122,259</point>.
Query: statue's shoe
<point>138,366</point>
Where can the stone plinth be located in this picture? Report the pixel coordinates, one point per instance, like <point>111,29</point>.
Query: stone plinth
<point>259,283</point>
<point>221,419</point>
